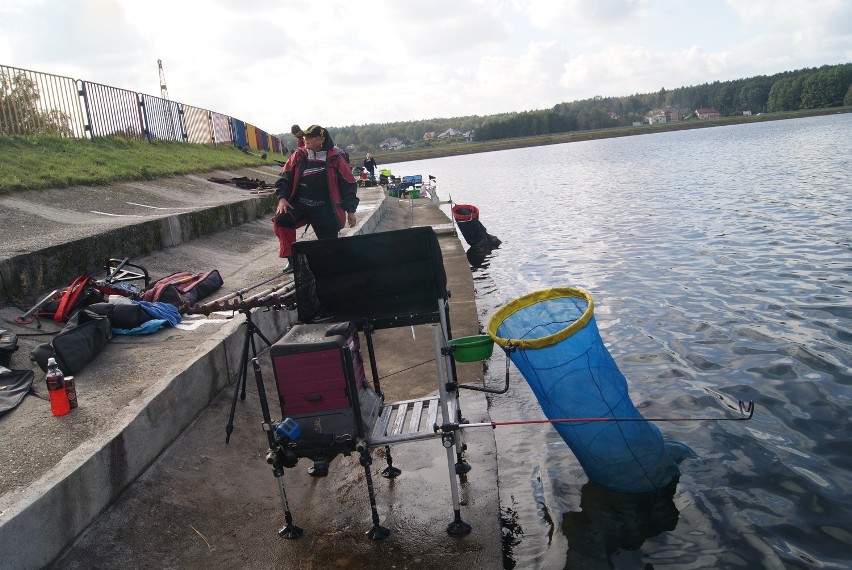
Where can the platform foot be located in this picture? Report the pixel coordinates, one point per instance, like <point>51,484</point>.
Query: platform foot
<point>462,467</point>
<point>291,531</point>
<point>378,532</point>
<point>391,472</point>
<point>458,528</point>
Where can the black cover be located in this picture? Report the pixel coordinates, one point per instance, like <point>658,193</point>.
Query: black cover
<point>82,339</point>
<point>14,385</point>
<point>389,278</point>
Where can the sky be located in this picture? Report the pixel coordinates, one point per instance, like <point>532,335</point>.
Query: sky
<point>338,63</point>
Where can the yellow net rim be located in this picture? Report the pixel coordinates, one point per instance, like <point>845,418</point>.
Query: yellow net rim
<point>536,297</point>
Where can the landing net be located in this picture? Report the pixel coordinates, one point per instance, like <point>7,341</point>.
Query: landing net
<point>561,355</point>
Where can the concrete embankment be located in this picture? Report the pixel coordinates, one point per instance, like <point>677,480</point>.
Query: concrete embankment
<point>140,472</point>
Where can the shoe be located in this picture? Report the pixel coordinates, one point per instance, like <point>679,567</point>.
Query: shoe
<point>320,469</point>
<point>288,268</point>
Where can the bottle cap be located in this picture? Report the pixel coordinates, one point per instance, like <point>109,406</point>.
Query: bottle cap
<point>51,362</point>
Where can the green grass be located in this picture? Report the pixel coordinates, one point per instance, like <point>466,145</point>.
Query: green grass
<point>34,162</point>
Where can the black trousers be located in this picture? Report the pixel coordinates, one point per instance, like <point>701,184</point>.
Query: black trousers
<point>320,217</point>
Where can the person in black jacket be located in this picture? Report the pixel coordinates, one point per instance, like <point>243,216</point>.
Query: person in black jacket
<point>370,165</point>
<point>316,187</point>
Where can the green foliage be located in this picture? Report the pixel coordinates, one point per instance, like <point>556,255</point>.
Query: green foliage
<point>20,113</point>
<point>828,86</point>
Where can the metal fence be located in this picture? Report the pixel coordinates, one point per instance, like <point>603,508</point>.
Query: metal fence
<point>112,111</point>
<point>35,103</point>
<point>39,103</point>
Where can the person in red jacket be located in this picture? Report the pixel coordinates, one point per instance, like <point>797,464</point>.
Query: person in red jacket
<point>316,187</point>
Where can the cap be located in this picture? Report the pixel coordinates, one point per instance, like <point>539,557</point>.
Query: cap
<point>297,131</point>
<point>315,131</point>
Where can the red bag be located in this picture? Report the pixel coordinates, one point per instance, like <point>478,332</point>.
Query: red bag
<point>183,289</point>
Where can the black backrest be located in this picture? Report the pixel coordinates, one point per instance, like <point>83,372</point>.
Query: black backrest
<point>390,279</point>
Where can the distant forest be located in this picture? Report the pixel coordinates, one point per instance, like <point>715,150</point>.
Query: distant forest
<point>814,88</point>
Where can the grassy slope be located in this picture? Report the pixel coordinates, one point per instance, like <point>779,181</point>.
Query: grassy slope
<point>54,162</point>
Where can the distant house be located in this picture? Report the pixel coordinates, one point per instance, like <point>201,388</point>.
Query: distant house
<point>450,133</point>
<point>656,117</point>
<point>664,115</point>
<point>429,136</point>
<point>709,113</point>
<point>747,113</point>
<point>350,147</point>
<point>392,143</point>
<point>468,136</point>
<point>672,114</point>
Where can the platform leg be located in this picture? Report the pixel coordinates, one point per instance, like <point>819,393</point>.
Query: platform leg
<point>457,527</point>
<point>289,530</point>
<point>450,378</point>
<point>378,532</point>
<point>390,471</point>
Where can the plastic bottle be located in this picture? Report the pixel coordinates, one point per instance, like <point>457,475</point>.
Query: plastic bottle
<point>71,390</point>
<point>56,388</point>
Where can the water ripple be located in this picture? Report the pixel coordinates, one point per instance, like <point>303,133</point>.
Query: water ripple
<point>720,261</point>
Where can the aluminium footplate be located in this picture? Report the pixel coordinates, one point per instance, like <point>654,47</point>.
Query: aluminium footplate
<point>410,420</point>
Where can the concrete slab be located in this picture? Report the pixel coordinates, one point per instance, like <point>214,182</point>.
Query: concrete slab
<point>202,503</point>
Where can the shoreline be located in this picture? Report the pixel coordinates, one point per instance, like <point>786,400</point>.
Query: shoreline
<point>395,156</point>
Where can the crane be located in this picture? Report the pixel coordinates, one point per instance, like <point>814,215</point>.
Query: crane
<point>164,92</point>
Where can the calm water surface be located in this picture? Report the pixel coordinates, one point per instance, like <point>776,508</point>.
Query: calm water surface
<point>720,261</point>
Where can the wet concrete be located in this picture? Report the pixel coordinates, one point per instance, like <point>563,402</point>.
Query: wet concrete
<point>156,407</point>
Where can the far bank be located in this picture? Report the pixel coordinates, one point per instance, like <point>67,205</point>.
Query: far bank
<point>458,149</point>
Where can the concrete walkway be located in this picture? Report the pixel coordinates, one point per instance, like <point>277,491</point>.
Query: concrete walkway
<point>140,474</point>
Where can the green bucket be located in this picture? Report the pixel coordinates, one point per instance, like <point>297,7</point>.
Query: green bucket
<point>415,193</point>
<point>472,348</point>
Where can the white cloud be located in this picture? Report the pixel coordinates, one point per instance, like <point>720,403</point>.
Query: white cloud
<point>563,15</point>
<point>339,62</point>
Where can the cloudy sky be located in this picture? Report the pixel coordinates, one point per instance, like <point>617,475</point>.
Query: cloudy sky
<point>352,62</point>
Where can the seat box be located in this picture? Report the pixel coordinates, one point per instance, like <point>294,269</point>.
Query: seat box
<point>313,366</point>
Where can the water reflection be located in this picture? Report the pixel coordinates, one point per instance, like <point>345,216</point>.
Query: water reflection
<point>611,527</point>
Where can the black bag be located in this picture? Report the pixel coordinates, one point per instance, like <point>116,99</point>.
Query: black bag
<point>121,315</point>
<point>82,339</point>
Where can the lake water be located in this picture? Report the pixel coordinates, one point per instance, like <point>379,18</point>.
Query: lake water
<point>720,262</point>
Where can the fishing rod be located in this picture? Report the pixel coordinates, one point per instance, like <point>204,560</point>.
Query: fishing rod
<point>746,409</point>
<point>237,302</point>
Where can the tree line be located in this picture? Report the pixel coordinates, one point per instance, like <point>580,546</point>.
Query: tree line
<point>810,88</point>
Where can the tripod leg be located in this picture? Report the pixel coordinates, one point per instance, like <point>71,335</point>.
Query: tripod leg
<point>240,388</point>
<point>241,381</point>
<point>378,532</point>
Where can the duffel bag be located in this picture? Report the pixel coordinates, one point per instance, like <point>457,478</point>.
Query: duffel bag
<point>76,345</point>
<point>127,315</point>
